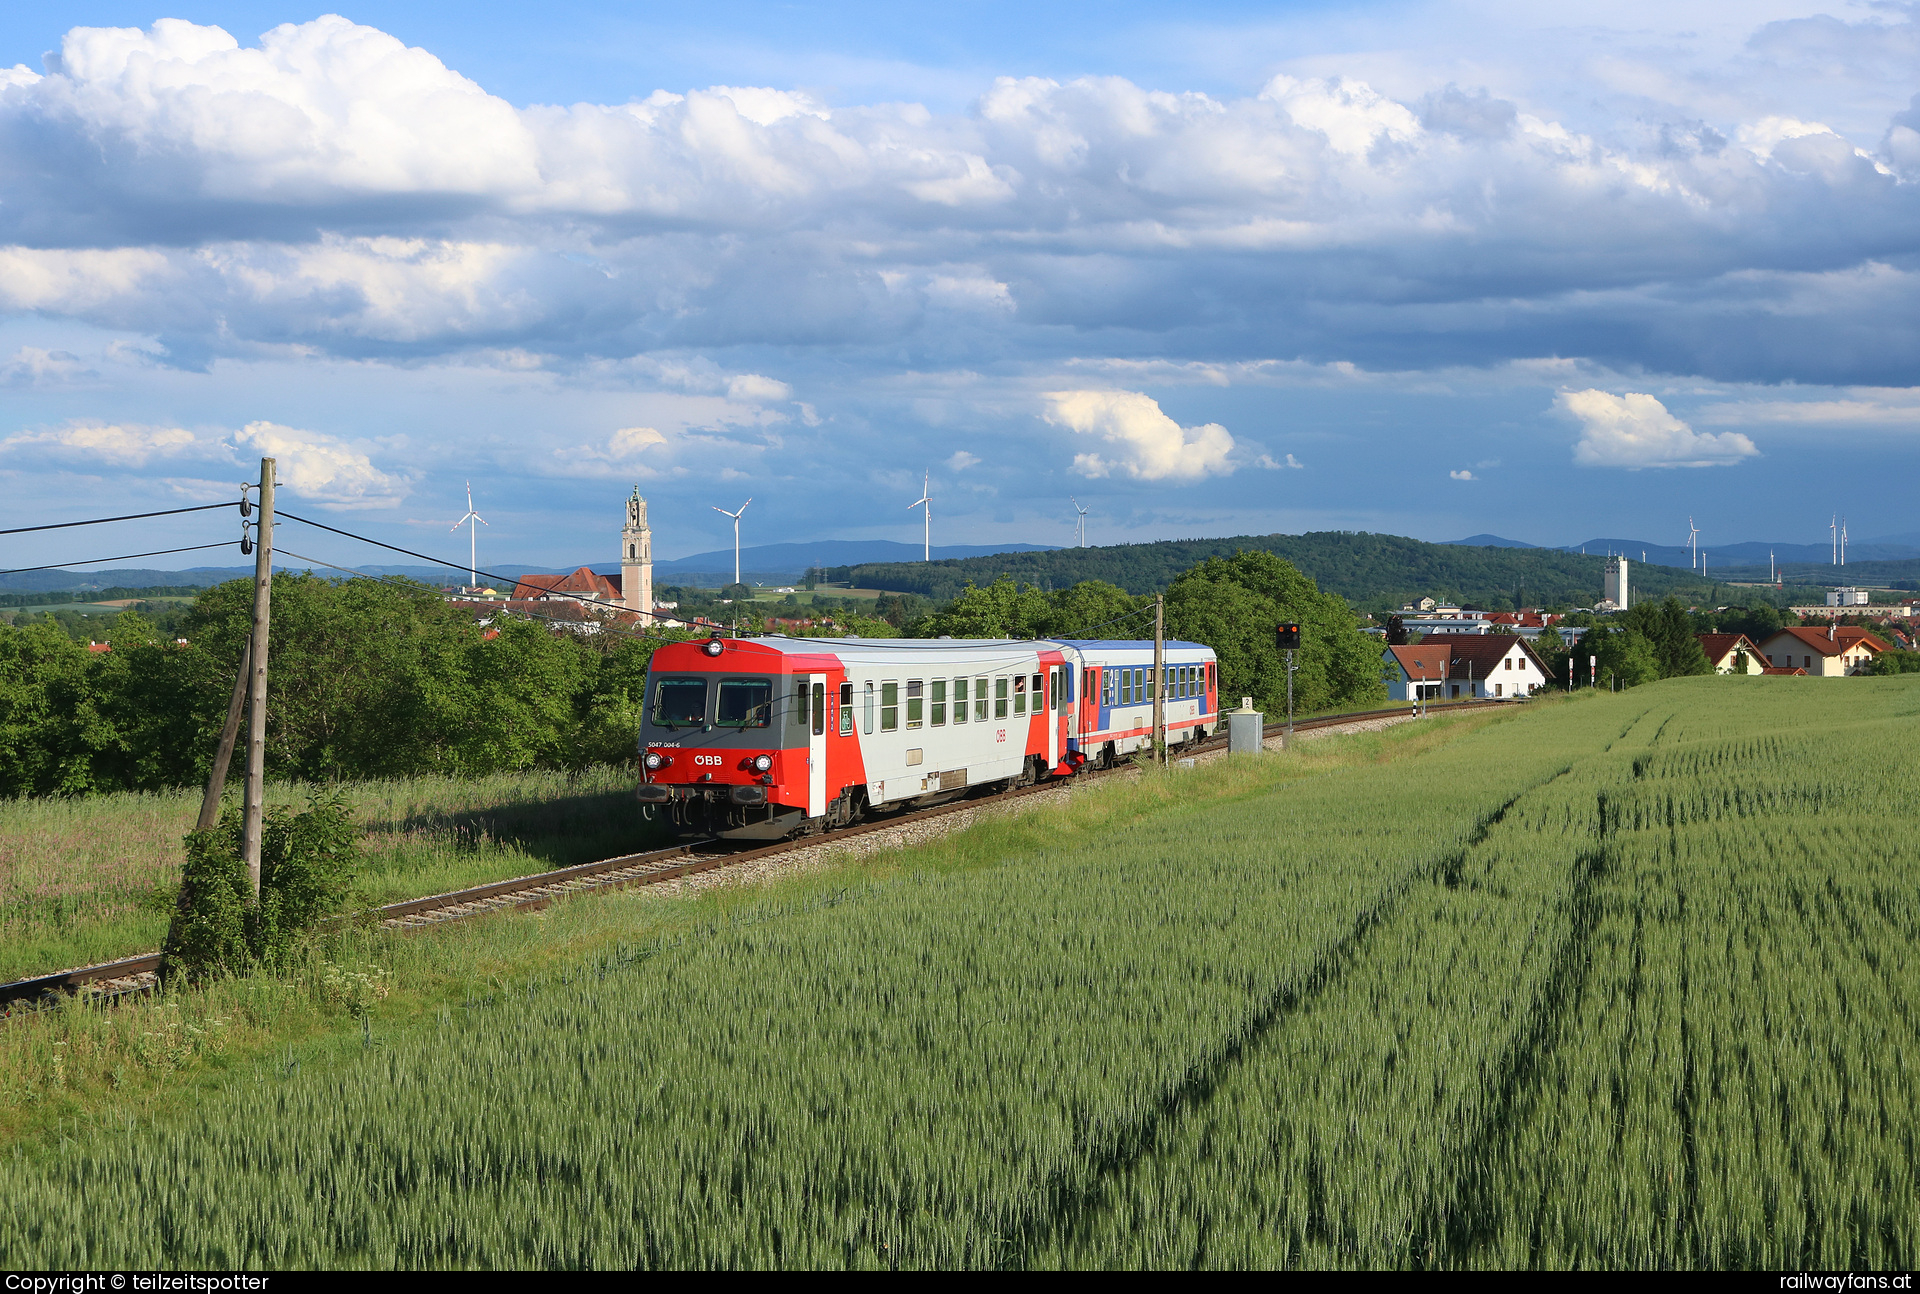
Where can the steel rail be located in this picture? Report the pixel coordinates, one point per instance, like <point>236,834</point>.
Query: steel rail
<point>130,975</point>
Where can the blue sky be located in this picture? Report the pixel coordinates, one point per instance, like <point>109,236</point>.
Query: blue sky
<point>1432,269</point>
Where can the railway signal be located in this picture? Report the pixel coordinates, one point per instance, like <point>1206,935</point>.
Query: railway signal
<point>1287,638</point>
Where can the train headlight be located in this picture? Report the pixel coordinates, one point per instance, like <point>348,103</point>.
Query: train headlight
<point>655,761</point>
<point>712,647</point>
<point>761,763</point>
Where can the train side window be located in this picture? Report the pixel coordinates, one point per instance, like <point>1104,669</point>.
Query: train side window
<point>1000,697</point>
<point>800,703</point>
<point>1123,689</point>
<point>1063,689</point>
<point>979,700</point>
<point>916,702</point>
<point>819,709</point>
<point>1019,694</point>
<point>1086,681</point>
<point>866,713</point>
<point>959,700</point>
<point>846,709</point>
<point>1109,684</point>
<point>889,707</point>
<point>937,703</point>
<point>1039,690</point>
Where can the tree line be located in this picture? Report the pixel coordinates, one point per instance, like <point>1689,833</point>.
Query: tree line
<point>1375,573</point>
<point>369,678</point>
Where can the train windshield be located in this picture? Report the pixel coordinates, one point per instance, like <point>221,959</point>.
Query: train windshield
<point>679,701</point>
<point>744,703</point>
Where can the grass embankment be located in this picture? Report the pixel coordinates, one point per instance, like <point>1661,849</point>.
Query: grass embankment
<point>85,880</point>
<point>1617,981</point>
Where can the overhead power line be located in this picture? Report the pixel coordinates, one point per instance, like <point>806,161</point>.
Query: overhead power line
<point>587,599</point>
<point>124,557</point>
<point>132,516</point>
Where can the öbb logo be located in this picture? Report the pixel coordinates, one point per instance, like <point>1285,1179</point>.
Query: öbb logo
<point>715,760</point>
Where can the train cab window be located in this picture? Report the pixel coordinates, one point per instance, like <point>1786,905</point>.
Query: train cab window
<point>846,709</point>
<point>979,700</point>
<point>744,703</point>
<point>916,702</point>
<point>937,703</point>
<point>889,707</point>
<point>1019,694</point>
<point>678,701</point>
<point>1000,697</point>
<point>866,714</point>
<point>819,709</point>
<point>959,700</point>
<point>800,694</point>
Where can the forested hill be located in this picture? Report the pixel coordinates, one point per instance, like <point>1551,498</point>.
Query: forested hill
<point>1373,572</point>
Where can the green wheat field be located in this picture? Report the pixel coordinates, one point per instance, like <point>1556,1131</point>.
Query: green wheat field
<point>1616,982</point>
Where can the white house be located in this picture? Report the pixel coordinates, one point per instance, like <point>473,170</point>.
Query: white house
<point>1463,666</point>
<point>1733,654</point>
<point>1833,652</point>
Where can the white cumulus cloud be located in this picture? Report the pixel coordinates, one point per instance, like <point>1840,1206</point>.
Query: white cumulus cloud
<point>1462,476</point>
<point>961,461</point>
<point>1147,444</point>
<point>752,386</point>
<point>1635,430</point>
<point>321,467</point>
<point>103,444</point>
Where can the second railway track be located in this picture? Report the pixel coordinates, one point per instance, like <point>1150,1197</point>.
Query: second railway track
<point>135,975</point>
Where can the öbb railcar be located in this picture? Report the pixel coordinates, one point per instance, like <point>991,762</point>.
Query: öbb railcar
<point>764,738</point>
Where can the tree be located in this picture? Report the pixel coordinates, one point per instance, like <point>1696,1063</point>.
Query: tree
<point>737,593</point>
<point>1396,632</point>
<point>1668,629</point>
<point>1627,657</point>
<point>1232,605</point>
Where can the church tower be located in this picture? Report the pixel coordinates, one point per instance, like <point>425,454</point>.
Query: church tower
<point>636,560</point>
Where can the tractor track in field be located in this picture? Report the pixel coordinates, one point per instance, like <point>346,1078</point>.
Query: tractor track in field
<point>679,868</point>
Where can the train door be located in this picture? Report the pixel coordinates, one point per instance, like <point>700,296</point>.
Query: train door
<point>1051,699</point>
<point>817,747</point>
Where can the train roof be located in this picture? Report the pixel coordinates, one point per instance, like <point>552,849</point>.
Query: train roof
<point>979,650</point>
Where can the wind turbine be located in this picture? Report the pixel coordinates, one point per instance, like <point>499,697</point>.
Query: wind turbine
<point>1843,541</point>
<point>736,536</point>
<point>925,501</point>
<point>1083,520</point>
<point>473,537</point>
<point>1693,544</point>
<point>1833,532</point>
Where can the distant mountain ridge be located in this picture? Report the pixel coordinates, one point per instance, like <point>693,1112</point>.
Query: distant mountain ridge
<point>1748,553</point>
<point>789,562</point>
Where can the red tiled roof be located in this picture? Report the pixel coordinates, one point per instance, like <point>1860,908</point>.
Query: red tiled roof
<point>1420,663</point>
<point>1842,639</point>
<point>581,583</point>
<point>1481,652</point>
<point>1720,646</point>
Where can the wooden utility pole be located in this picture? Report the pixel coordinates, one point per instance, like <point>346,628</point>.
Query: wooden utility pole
<point>1160,677</point>
<point>257,671</point>
<point>217,779</point>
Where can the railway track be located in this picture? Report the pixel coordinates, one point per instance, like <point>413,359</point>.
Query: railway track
<point>134,975</point>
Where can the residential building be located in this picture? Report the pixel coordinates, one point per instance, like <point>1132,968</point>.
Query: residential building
<point>1847,597</point>
<point>1461,666</point>
<point>1733,654</point>
<point>1897,611</point>
<point>1833,652</point>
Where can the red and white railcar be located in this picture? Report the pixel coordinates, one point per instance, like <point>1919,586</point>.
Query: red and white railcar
<point>760,738</point>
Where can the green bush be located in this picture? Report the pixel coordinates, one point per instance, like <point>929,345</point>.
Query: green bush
<point>306,864</point>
